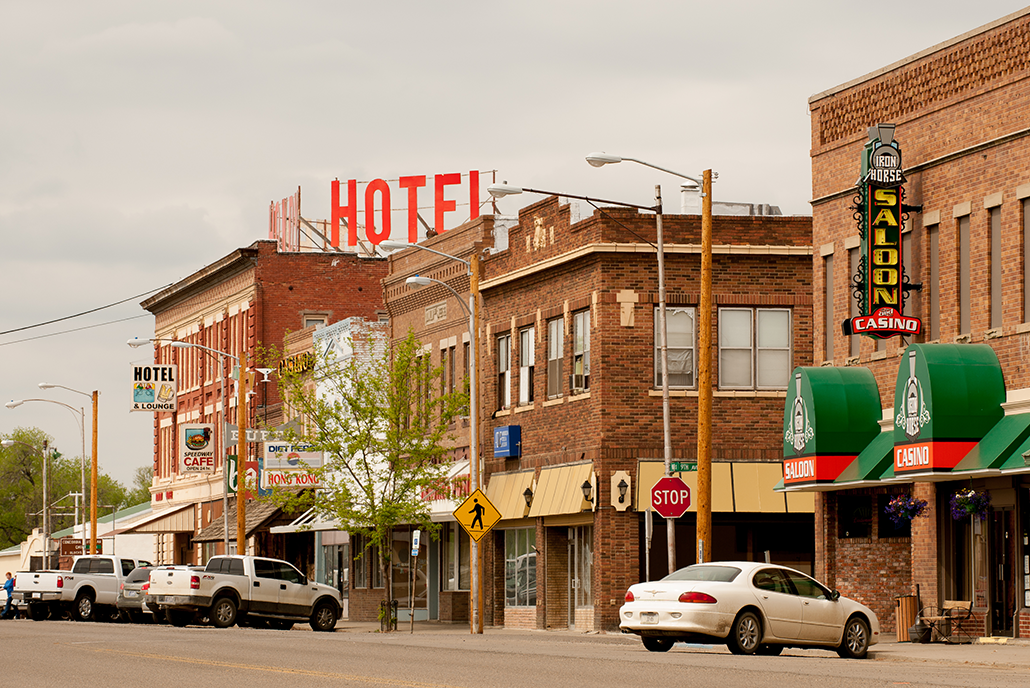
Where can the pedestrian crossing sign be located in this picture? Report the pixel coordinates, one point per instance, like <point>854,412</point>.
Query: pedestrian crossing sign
<point>477,515</point>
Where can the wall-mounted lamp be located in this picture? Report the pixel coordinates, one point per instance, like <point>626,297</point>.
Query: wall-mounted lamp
<point>623,486</point>
<point>588,490</point>
<point>528,496</point>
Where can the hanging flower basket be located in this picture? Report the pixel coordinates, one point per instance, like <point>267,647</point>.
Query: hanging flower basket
<point>903,508</point>
<point>970,502</point>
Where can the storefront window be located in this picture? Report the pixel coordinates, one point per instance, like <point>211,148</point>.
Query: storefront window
<point>360,562</point>
<point>520,567</point>
<point>406,569</point>
<point>455,561</point>
<point>885,527</point>
<point>854,516</point>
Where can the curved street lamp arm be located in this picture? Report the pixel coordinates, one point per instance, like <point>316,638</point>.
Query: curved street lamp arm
<point>591,199</point>
<point>662,169</point>
<point>468,313</point>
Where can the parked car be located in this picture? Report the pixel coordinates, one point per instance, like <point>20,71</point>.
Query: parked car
<point>89,589</point>
<point>250,589</point>
<point>132,596</point>
<point>752,607</point>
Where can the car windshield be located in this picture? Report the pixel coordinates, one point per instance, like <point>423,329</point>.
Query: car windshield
<point>723,574</point>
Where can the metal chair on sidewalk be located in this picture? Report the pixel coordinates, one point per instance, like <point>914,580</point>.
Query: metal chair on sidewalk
<point>951,623</point>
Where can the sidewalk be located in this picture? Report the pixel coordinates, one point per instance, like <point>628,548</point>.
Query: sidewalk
<point>1001,652</point>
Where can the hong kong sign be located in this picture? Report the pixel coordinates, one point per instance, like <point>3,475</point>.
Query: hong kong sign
<point>881,285</point>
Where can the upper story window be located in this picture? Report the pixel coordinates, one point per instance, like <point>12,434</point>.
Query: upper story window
<point>680,335</point>
<point>527,364</point>
<point>754,348</point>
<point>580,351</point>
<point>318,321</point>
<point>504,372</point>
<point>555,355</point>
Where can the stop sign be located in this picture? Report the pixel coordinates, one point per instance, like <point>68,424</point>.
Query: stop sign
<point>670,497</point>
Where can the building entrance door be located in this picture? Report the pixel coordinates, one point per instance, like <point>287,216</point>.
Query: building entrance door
<point>581,568</point>
<point>1002,571</point>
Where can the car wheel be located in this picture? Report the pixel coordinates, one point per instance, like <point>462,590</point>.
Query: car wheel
<point>652,644</point>
<point>769,650</point>
<point>178,617</point>
<point>223,613</point>
<point>855,644</point>
<point>84,607</point>
<point>38,612</point>
<point>323,618</point>
<point>745,634</point>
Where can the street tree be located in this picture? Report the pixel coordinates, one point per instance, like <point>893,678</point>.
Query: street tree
<point>380,416</point>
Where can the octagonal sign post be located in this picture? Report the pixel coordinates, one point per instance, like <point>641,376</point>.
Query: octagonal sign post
<point>670,497</point>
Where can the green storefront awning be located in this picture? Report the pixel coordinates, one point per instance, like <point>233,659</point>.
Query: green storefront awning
<point>871,463</point>
<point>997,446</point>
<point>1015,462</point>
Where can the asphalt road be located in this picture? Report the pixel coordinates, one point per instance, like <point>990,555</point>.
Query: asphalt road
<point>69,654</point>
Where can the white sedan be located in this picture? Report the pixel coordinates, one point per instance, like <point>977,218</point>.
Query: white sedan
<point>752,607</point>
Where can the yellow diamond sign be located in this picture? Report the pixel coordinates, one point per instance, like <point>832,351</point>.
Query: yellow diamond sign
<point>477,515</point>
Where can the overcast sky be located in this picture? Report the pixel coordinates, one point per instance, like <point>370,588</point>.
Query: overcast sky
<point>141,141</point>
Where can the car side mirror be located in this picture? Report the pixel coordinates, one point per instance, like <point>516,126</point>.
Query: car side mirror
<point>835,595</point>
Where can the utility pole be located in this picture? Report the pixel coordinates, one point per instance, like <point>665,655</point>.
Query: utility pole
<point>704,380</point>
<point>93,480</point>
<point>241,458</point>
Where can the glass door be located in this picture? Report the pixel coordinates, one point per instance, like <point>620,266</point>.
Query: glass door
<point>1002,571</point>
<point>581,569</point>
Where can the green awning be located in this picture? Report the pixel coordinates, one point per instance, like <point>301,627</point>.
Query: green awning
<point>997,446</point>
<point>1015,463</point>
<point>870,464</point>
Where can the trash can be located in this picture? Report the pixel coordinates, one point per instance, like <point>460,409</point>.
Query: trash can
<point>905,613</point>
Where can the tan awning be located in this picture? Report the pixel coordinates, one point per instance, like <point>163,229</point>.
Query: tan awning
<point>177,519</point>
<point>559,490</point>
<point>737,487</point>
<point>505,492</point>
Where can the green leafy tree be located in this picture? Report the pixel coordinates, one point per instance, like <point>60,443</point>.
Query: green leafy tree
<point>139,490</point>
<point>382,422</point>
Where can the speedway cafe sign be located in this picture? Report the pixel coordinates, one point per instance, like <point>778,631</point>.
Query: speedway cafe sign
<point>880,283</point>
<point>196,448</point>
<point>154,387</point>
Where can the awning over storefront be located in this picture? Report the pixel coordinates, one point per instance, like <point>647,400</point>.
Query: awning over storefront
<point>737,487</point>
<point>309,520</point>
<point>870,465</point>
<point>559,490</point>
<point>996,447</point>
<point>830,416</point>
<point>258,513</point>
<point>506,492</point>
<point>458,486</point>
<point>177,519</point>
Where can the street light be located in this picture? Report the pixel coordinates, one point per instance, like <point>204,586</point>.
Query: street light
<point>46,507</point>
<point>81,420</point>
<point>241,442</point>
<point>704,371</point>
<point>476,476</point>
<point>95,396</point>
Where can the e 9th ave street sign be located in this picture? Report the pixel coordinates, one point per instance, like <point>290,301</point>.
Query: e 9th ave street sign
<point>670,497</point>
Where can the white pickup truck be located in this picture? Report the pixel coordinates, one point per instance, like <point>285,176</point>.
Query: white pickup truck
<point>249,589</point>
<point>89,589</point>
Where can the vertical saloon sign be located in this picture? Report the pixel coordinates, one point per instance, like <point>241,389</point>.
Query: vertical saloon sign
<point>881,284</point>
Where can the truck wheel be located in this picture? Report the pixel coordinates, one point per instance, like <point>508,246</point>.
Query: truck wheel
<point>323,618</point>
<point>178,617</point>
<point>38,612</point>
<point>84,607</point>
<point>223,613</point>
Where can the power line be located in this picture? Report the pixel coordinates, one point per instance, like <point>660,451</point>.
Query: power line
<point>77,329</point>
<point>92,310</point>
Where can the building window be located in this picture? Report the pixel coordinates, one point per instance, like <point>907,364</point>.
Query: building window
<point>454,564</point>
<point>963,276</point>
<point>580,351</point>
<point>885,527</point>
<point>828,302</point>
<point>504,372</point>
<point>444,359</point>
<point>377,573</point>
<point>316,321</point>
<point>994,217</point>
<point>1026,260</point>
<point>527,359</point>
<point>555,354</point>
<point>854,516</point>
<point>754,348</point>
<point>360,561</point>
<point>466,383</point>
<point>520,567</point>
<point>680,332</point>
<point>933,238</point>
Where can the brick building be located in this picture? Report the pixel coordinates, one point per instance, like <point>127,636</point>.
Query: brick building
<point>246,301</point>
<point>568,375</point>
<point>954,399</point>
